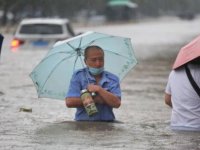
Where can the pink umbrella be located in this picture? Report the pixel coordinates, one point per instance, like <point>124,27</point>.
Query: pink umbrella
<point>188,53</point>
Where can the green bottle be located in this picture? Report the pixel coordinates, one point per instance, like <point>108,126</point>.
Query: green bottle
<point>90,108</point>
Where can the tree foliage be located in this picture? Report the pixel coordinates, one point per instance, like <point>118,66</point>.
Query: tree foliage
<point>69,8</point>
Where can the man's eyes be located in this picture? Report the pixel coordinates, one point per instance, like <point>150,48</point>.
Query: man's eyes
<point>97,59</point>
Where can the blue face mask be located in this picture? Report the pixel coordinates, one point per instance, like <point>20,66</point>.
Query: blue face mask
<point>95,71</point>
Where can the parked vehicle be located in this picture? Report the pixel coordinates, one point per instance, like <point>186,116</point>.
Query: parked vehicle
<point>41,33</point>
<point>187,15</point>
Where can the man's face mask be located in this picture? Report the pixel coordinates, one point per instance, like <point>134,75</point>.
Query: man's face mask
<point>96,71</point>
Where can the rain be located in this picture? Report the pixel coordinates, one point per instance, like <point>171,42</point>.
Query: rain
<point>157,29</point>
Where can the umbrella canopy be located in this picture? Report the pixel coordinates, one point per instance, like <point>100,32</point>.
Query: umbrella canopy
<point>187,53</point>
<point>127,3</point>
<point>52,75</point>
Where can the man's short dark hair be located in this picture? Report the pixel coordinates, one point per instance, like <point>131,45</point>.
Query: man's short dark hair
<point>89,47</point>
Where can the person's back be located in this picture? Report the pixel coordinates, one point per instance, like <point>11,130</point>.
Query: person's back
<point>185,102</point>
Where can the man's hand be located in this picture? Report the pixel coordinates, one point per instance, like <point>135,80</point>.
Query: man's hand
<point>104,96</point>
<point>93,88</point>
<point>168,100</point>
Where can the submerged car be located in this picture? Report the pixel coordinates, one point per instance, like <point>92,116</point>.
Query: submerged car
<point>41,33</point>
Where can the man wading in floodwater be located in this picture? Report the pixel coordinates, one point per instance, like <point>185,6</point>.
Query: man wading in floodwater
<point>104,84</point>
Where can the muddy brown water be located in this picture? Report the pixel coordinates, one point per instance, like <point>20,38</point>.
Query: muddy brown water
<point>143,118</point>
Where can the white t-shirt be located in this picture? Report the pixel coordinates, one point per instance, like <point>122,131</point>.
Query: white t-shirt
<point>185,100</point>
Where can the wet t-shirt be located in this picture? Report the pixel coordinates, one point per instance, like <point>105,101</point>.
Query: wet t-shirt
<point>185,101</point>
<point>109,82</point>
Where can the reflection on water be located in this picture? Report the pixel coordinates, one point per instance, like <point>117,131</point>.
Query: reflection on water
<point>145,118</point>
<point>81,135</point>
<point>96,135</point>
<point>81,126</point>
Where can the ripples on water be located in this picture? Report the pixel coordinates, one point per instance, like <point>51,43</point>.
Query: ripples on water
<point>144,118</point>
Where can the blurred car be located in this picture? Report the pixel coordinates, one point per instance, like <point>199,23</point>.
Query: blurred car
<point>41,33</point>
<point>187,15</point>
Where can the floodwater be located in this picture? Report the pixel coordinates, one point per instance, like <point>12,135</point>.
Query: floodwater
<point>143,118</point>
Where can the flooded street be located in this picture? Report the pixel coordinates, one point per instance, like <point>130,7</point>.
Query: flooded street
<point>143,118</point>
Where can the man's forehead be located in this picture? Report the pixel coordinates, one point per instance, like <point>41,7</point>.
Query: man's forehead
<point>95,50</point>
<point>96,57</point>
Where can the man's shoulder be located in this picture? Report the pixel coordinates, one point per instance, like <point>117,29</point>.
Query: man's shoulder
<point>178,72</point>
<point>111,76</point>
<point>79,72</point>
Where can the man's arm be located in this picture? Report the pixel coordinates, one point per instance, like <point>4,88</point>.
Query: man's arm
<point>107,97</point>
<point>73,102</point>
<point>168,100</point>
